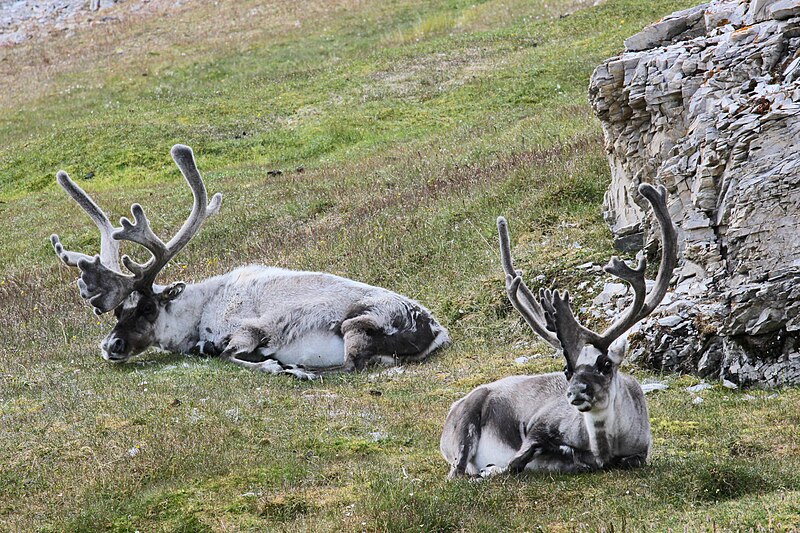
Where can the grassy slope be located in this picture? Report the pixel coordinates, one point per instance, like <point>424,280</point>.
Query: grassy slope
<point>416,123</point>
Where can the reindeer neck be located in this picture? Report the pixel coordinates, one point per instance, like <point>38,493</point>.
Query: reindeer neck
<point>601,425</point>
<point>177,326</point>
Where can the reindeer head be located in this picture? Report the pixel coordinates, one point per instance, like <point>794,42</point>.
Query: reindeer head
<point>592,363</point>
<point>135,298</point>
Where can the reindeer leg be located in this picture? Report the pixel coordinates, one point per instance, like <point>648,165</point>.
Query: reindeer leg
<point>524,456</point>
<point>517,464</point>
<point>358,342</point>
<point>629,461</point>
<point>246,342</point>
<point>272,366</point>
<point>243,341</point>
<point>205,348</point>
<point>471,434</point>
<point>536,441</point>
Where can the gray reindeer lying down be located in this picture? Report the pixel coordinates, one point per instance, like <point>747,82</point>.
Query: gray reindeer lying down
<point>264,318</point>
<point>591,416</point>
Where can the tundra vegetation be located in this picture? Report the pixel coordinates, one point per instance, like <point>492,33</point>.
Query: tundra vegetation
<point>375,140</point>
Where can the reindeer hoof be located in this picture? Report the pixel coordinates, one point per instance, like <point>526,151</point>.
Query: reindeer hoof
<point>300,374</point>
<point>492,470</point>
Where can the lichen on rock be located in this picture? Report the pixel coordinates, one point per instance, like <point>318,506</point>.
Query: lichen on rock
<point>707,102</point>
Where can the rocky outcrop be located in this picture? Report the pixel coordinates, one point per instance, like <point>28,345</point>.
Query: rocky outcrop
<point>707,102</point>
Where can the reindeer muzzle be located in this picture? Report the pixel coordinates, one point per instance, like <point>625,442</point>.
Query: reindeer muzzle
<point>114,349</point>
<point>580,396</point>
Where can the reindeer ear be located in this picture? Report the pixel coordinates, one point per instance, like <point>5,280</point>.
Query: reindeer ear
<point>172,291</point>
<point>616,352</point>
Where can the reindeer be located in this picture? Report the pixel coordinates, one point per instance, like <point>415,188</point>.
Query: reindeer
<point>263,318</point>
<point>589,417</point>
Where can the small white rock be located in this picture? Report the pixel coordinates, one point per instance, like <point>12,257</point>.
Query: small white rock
<point>699,387</point>
<point>670,321</point>
<point>655,386</point>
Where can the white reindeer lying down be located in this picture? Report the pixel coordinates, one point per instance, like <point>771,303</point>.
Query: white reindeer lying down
<point>591,416</point>
<point>263,318</point>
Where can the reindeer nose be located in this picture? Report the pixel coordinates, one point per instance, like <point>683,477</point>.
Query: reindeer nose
<point>577,388</point>
<point>577,393</point>
<point>115,345</point>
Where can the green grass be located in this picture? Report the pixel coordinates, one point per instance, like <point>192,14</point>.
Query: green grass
<point>415,123</point>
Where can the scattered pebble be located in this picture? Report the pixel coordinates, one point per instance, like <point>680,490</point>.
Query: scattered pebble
<point>670,321</point>
<point>378,436</point>
<point>654,386</point>
<point>699,387</point>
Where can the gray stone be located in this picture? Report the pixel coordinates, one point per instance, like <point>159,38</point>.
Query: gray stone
<point>653,386</point>
<point>675,26</point>
<point>729,384</point>
<point>699,387</point>
<point>670,321</point>
<point>631,242</point>
<point>785,9</point>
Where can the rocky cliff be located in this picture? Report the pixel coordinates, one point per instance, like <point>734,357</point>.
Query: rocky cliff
<point>707,102</point>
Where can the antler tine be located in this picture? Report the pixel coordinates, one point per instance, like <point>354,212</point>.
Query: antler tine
<point>526,305</point>
<point>635,278</point>
<point>644,304</point>
<point>109,248</point>
<point>572,335</point>
<point>669,245</point>
<point>184,158</point>
<point>141,233</point>
<point>102,287</point>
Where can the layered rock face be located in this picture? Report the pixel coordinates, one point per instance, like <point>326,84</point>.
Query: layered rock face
<point>707,102</point>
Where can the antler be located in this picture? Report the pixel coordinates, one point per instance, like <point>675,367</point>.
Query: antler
<point>102,282</point>
<point>520,295</point>
<point>109,249</point>
<point>644,304</point>
<point>551,317</point>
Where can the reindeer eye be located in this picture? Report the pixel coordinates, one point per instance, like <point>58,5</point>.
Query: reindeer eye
<point>148,308</point>
<point>567,373</point>
<point>606,366</point>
